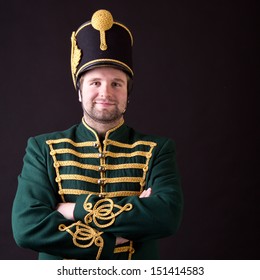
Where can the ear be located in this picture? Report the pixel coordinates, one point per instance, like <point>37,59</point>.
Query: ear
<point>79,94</point>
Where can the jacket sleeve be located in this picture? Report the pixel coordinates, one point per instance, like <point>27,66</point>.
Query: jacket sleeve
<point>141,219</point>
<point>38,226</point>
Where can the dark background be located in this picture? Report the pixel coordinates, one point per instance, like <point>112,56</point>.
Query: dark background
<point>195,81</point>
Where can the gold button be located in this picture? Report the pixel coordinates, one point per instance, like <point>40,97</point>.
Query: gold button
<point>101,182</point>
<point>58,179</point>
<point>101,155</point>
<point>96,145</point>
<point>102,168</point>
<point>56,164</point>
<point>52,153</point>
<point>149,155</point>
<point>102,195</point>
<point>145,168</point>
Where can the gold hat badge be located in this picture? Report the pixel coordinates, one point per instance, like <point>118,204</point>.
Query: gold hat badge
<point>102,20</point>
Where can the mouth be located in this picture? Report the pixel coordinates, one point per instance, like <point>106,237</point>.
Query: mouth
<point>104,103</point>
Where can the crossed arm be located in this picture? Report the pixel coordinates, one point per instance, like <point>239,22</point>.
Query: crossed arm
<point>67,210</point>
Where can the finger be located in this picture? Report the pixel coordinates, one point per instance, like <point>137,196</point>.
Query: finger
<point>121,240</point>
<point>146,193</point>
<point>142,194</point>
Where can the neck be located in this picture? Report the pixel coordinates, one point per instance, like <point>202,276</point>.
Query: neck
<point>101,128</point>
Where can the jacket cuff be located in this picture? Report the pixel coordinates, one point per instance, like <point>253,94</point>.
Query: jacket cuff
<point>109,246</point>
<point>108,239</point>
<point>79,211</point>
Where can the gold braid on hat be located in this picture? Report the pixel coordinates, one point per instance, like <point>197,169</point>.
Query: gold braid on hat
<point>75,57</point>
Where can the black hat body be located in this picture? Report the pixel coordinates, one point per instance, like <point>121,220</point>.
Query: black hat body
<point>101,42</point>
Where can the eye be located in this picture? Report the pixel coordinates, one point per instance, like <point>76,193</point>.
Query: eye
<point>116,84</point>
<point>95,83</point>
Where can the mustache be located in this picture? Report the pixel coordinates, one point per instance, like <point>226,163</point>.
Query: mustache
<point>105,100</point>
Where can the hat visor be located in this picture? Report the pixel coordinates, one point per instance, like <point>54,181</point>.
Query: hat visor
<point>113,64</point>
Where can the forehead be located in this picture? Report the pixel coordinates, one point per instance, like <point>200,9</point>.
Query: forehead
<point>105,72</point>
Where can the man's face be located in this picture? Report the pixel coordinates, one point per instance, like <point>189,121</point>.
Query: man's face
<point>104,95</point>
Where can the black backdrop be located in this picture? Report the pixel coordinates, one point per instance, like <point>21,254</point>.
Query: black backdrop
<point>195,81</point>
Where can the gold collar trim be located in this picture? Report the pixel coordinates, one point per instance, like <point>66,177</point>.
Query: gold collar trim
<point>107,133</point>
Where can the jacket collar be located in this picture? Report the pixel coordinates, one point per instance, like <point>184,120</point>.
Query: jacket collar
<point>116,133</point>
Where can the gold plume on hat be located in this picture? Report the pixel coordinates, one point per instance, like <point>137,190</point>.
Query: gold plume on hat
<point>75,56</point>
<point>102,20</point>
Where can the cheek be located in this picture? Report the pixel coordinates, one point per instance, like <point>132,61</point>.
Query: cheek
<point>85,101</point>
<point>87,96</point>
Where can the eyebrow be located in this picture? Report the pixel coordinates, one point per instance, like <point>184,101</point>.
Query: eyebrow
<point>113,80</point>
<point>119,80</point>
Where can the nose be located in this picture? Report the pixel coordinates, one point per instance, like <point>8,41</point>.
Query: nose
<point>105,90</point>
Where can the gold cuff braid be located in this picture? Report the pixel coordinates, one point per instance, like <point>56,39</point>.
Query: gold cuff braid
<point>125,249</point>
<point>84,236</point>
<point>103,211</point>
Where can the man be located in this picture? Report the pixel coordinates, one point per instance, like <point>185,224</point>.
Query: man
<point>99,190</point>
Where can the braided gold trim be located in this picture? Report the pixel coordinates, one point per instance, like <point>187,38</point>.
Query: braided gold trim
<point>114,129</point>
<point>79,178</point>
<point>107,166</point>
<point>130,34</point>
<point>146,167</point>
<point>75,144</point>
<point>107,133</point>
<point>121,249</point>
<point>60,177</point>
<point>79,165</point>
<point>84,236</point>
<point>133,154</point>
<point>125,166</point>
<point>123,180</point>
<point>106,194</point>
<point>103,211</point>
<point>90,129</point>
<point>102,160</point>
<point>130,146</point>
<point>95,180</point>
<point>56,166</point>
<point>125,249</point>
<point>83,26</point>
<point>75,153</point>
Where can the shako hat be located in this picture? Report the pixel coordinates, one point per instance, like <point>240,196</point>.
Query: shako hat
<point>101,42</point>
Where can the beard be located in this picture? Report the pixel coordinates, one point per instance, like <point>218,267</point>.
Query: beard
<point>104,116</point>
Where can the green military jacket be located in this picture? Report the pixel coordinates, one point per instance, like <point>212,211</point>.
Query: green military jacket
<point>104,179</point>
